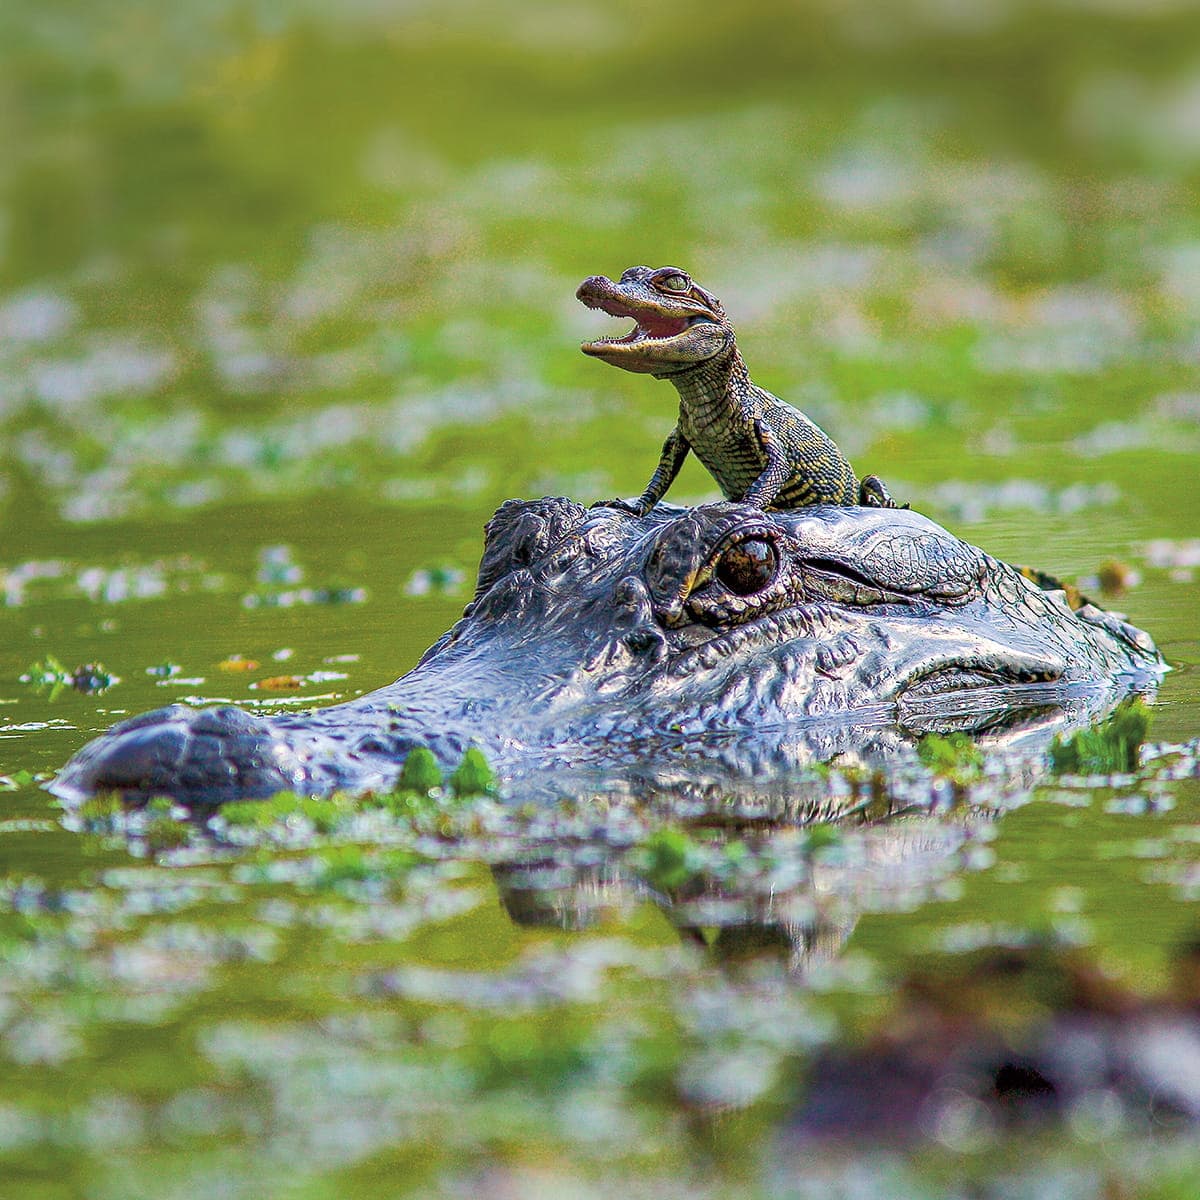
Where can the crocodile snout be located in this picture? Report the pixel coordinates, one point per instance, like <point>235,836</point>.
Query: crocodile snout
<point>593,288</point>
<point>217,753</point>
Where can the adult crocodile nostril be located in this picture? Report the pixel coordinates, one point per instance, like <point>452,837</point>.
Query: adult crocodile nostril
<point>214,753</point>
<point>135,761</point>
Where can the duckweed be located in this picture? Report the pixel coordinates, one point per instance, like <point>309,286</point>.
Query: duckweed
<point>473,776</point>
<point>48,675</point>
<point>420,774</point>
<point>821,837</point>
<point>324,814</point>
<point>955,754</point>
<point>670,859</point>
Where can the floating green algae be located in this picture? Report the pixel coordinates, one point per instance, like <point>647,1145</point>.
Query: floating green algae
<point>1111,747</point>
<point>671,858</point>
<point>324,814</point>
<point>48,675</point>
<point>955,755</point>
<point>473,776</point>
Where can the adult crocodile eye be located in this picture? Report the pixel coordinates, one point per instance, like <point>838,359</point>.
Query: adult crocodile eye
<point>674,283</point>
<point>747,567</point>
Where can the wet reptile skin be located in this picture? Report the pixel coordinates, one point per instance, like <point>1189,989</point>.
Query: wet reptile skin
<point>760,450</point>
<point>687,639</point>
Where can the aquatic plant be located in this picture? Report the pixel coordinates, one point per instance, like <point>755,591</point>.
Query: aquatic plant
<point>1112,746</point>
<point>474,775</point>
<point>954,755</point>
<point>49,675</point>
<point>324,813</point>
<point>420,773</point>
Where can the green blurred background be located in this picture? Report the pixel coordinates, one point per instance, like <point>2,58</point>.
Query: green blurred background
<point>262,250</point>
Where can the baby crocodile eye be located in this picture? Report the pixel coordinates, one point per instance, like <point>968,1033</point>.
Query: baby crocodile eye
<point>747,567</point>
<point>674,283</point>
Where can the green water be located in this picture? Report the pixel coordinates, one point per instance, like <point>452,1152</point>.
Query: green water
<point>286,309</point>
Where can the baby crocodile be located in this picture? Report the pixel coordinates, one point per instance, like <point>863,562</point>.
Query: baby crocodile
<point>760,450</point>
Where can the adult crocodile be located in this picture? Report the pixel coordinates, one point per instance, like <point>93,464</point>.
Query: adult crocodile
<point>759,449</point>
<point>596,636</point>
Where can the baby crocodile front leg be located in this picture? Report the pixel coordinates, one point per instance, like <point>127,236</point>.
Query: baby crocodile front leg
<point>872,491</point>
<point>763,491</point>
<point>675,450</point>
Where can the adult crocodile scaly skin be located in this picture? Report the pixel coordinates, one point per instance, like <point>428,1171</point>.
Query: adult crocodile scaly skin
<point>760,450</point>
<point>719,633</point>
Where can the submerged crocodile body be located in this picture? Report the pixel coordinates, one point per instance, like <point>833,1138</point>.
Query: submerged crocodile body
<point>760,450</point>
<point>715,634</point>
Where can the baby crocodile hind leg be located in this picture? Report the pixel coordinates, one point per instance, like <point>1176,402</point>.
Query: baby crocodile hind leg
<point>873,493</point>
<point>763,491</point>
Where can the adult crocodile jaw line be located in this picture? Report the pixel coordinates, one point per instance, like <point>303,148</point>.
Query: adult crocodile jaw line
<point>811,622</point>
<point>973,674</point>
<point>773,628</point>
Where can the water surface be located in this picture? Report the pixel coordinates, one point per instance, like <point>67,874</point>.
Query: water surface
<point>286,309</point>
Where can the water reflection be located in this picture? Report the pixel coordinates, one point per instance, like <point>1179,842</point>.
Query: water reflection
<point>733,935</point>
<point>893,834</point>
<point>975,1048</point>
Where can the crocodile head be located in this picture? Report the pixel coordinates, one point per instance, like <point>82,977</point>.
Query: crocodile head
<point>677,323</point>
<point>726,617</point>
<point>598,638</point>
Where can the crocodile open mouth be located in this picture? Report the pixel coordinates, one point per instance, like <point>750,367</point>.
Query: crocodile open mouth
<point>648,325</point>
